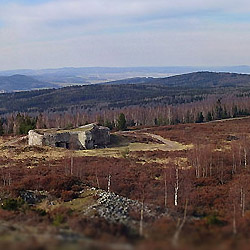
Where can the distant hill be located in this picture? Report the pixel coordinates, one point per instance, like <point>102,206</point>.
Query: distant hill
<point>203,79</point>
<point>20,83</point>
<point>146,91</point>
<point>73,71</point>
<point>206,80</point>
<point>91,75</point>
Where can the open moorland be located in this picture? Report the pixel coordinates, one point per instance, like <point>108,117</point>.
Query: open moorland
<point>182,186</point>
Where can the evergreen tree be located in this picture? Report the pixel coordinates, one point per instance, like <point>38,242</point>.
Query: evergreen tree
<point>121,122</point>
<point>209,116</point>
<point>200,118</point>
<point>156,121</point>
<point>109,124</point>
<point>1,127</point>
<point>25,123</point>
<point>218,110</point>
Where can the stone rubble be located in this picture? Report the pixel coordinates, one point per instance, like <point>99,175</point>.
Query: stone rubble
<point>116,209</point>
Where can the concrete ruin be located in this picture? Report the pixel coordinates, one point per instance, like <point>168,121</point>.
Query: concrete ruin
<point>85,137</point>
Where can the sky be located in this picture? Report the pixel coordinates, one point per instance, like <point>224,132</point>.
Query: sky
<point>39,34</point>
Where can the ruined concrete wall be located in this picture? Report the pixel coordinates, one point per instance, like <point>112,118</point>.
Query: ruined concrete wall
<point>94,137</point>
<point>54,139</point>
<point>35,138</point>
<point>65,140</point>
<point>101,136</point>
<point>85,139</point>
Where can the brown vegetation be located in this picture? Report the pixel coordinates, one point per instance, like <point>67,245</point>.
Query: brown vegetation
<point>208,183</point>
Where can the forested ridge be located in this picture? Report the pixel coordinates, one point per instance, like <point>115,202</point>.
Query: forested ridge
<point>174,90</point>
<point>22,82</point>
<point>189,98</point>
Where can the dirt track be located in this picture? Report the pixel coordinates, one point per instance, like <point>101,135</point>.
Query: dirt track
<point>170,145</point>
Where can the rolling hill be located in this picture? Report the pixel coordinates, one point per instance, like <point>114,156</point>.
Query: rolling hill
<point>150,91</point>
<point>206,79</point>
<point>203,79</point>
<point>21,83</point>
<point>91,75</point>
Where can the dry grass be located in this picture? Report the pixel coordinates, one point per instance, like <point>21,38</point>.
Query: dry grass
<point>83,202</point>
<point>23,152</point>
<point>80,204</point>
<point>118,152</point>
<point>120,147</point>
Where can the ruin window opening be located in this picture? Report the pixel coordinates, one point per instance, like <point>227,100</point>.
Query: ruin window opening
<point>62,145</point>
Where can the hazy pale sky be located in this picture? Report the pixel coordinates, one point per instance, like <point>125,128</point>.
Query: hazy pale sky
<point>59,33</point>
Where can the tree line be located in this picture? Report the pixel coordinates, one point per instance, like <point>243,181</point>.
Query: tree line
<point>120,119</point>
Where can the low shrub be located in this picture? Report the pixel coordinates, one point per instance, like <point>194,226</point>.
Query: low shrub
<point>12,204</point>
